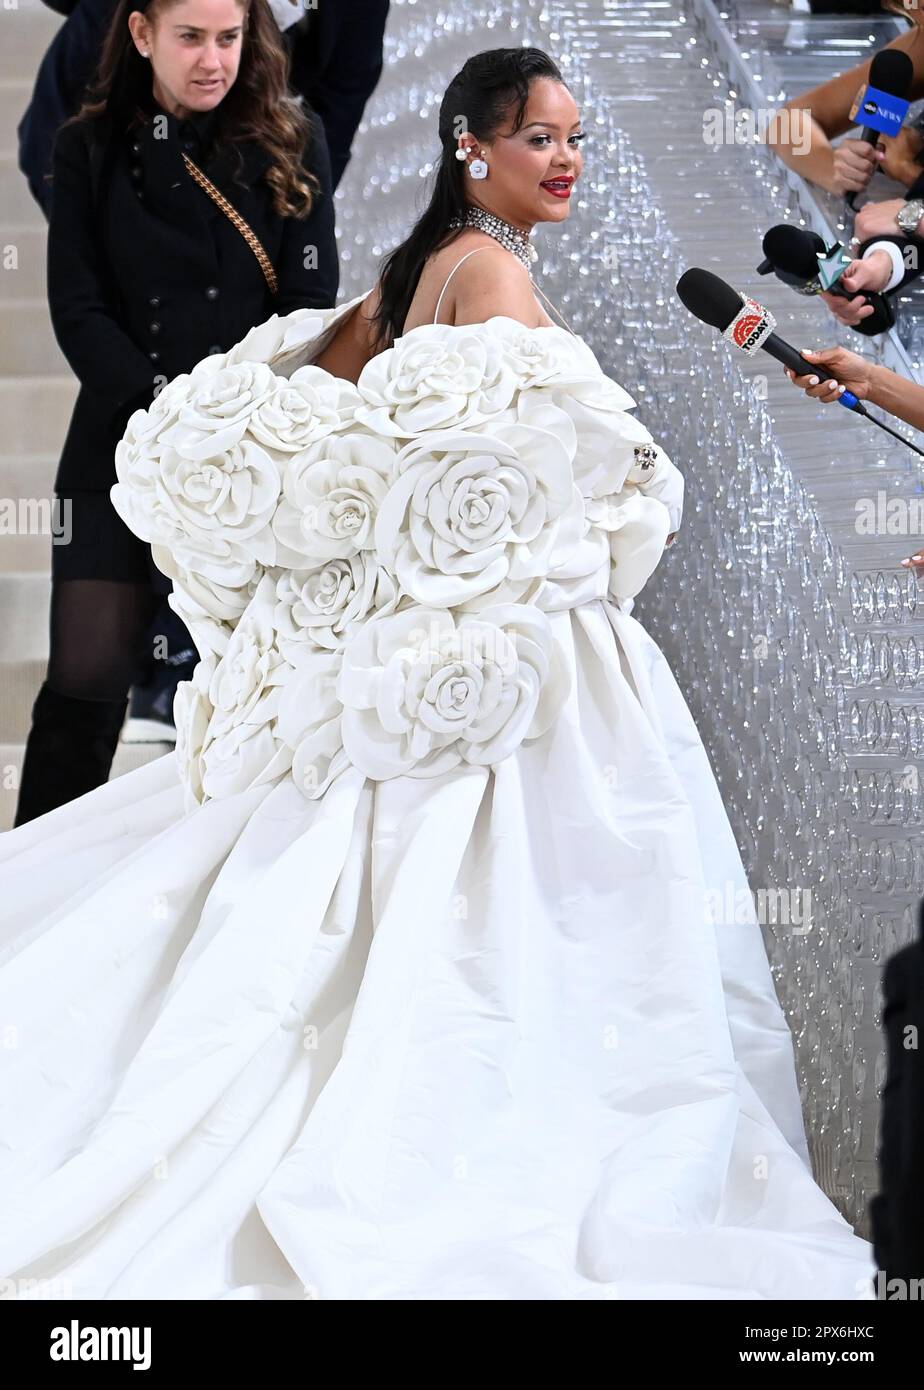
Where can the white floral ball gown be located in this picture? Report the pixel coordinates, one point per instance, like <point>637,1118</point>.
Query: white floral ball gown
<point>397,979</point>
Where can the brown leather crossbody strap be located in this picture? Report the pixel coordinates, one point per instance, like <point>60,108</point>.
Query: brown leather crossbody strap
<point>246,231</point>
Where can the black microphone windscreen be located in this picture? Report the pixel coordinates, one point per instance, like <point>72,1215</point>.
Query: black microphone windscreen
<point>891,71</point>
<point>792,249</point>
<point>708,297</point>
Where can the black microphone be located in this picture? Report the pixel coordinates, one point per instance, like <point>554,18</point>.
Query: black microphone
<point>748,325</point>
<point>891,71</point>
<point>791,253</point>
<point>745,323</point>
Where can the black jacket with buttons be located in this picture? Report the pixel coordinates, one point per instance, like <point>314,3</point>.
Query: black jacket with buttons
<point>147,276</point>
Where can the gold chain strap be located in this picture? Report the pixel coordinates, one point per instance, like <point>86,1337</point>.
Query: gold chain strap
<point>246,231</point>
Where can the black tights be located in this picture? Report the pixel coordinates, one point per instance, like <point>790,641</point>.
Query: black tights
<point>99,629</point>
<point>97,638</point>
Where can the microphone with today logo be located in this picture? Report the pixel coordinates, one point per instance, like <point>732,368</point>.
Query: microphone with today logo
<point>750,326</point>
<point>745,322</point>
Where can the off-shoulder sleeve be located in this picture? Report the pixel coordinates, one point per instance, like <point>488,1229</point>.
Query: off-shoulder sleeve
<point>201,470</point>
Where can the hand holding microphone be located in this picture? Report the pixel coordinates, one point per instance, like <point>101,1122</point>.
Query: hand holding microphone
<point>872,273</point>
<point>749,326</point>
<point>836,371</point>
<point>854,164</point>
<point>884,105</point>
<point>801,259</point>
<point>853,374</point>
<point>897,156</point>
<point>744,322</point>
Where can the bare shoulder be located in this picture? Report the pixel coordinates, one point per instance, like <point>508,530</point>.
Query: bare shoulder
<point>491,282</point>
<point>352,344</point>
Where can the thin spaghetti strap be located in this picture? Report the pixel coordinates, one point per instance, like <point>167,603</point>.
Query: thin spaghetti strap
<point>452,272</point>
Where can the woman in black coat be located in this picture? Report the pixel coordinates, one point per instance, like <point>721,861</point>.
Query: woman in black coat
<point>146,276</point>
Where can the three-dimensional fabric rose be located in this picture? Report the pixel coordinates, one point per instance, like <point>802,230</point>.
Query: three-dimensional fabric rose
<point>425,690</point>
<point>470,510</point>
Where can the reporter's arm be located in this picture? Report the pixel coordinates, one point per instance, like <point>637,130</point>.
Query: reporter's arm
<point>839,370</point>
<point>885,263</point>
<point>897,395</point>
<point>803,139</point>
<point>827,115</point>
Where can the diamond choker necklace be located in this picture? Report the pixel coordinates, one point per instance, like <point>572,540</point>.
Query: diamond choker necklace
<point>509,236</point>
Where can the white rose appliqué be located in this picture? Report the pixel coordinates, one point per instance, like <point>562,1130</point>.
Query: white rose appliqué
<point>471,510</point>
<point>424,690</point>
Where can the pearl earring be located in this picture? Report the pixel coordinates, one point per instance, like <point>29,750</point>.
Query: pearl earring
<point>478,168</point>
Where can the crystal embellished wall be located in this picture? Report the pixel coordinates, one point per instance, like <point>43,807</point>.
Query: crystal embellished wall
<point>795,640</point>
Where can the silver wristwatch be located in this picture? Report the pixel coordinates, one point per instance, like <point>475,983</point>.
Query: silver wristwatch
<point>910,215</point>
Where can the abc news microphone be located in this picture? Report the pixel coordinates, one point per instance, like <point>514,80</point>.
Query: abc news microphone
<point>884,104</point>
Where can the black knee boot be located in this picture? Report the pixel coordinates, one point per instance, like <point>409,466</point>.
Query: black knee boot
<point>69,750</point>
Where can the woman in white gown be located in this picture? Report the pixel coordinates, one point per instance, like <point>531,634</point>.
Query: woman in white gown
<point>399,980</point>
